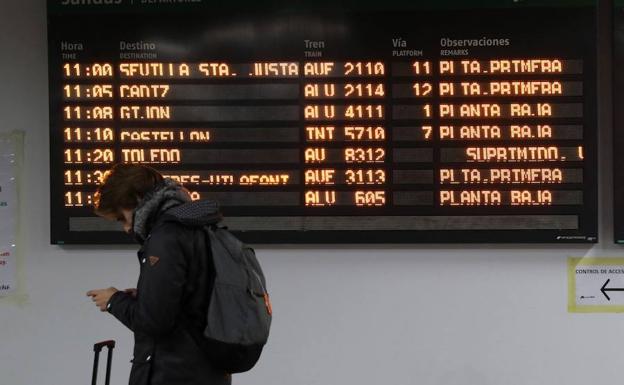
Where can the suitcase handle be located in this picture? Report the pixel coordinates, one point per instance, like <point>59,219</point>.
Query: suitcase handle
<point>97,348</point>
<point>110,344</point>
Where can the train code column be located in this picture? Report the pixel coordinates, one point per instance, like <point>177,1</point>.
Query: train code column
<point>344,115</point>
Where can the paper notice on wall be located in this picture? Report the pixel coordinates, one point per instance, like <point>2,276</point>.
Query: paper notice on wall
<point>8,213</point>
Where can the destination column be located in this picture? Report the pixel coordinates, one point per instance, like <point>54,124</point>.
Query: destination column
<point>227,131</point>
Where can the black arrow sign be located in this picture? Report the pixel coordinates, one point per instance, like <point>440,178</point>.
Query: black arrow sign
<point>604,289</point>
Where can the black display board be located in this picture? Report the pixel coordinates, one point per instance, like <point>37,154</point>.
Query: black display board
<point>332,123</point>
<point>618,126</point>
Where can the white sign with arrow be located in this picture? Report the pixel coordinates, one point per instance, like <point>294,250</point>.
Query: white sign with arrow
<point>596,285</point>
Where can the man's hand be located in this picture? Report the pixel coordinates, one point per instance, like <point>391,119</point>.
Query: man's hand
<point>102,296</point>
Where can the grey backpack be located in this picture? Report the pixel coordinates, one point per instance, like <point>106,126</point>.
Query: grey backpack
<point>239,312</point>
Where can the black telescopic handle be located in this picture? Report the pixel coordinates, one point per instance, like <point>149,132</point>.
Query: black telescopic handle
<point>110,344</point>
<point>97,348</point>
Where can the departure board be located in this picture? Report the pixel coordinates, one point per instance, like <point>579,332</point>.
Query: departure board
<point>331,122</point>
<point>618,126</point>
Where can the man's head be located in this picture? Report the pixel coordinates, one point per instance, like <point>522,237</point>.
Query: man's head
<point>122,187</point>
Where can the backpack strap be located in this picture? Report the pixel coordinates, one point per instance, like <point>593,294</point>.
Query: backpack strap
<point>194,324</point>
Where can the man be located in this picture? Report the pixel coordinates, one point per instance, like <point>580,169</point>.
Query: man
<point>167,311</point>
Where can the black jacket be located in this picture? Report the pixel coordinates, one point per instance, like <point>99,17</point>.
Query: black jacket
<point>172,297</point>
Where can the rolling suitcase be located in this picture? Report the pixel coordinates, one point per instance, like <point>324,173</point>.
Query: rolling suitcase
<point>97,348</point>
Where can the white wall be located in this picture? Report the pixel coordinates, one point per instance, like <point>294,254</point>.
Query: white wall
<point>427,315</point>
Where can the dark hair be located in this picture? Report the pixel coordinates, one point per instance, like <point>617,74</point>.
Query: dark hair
<point>123,186</point>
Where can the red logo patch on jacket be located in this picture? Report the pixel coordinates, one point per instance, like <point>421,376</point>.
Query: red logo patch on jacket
<point>153,260</point>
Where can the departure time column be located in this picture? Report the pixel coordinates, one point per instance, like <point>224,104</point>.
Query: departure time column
<point>87,128</point>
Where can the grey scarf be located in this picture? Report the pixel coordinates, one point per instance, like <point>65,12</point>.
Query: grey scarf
<point>161,198</point>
